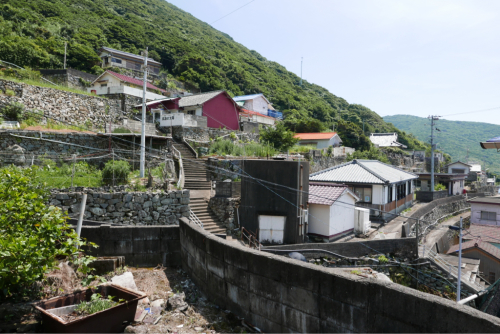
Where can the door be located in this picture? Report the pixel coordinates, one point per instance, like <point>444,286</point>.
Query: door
<point>271,229</point>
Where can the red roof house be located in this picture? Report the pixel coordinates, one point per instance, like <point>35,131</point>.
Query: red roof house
<point>319,139</point>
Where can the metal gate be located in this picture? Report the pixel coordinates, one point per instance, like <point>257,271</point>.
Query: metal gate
<point>271,229</point>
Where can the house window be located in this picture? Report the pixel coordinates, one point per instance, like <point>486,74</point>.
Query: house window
<point>418,183</point>
<point>116,60</point>
<point>458,171</point>
<point>191,112</point>
<point>364,194</point>
<point>104,85</point>
<point>486,215</point>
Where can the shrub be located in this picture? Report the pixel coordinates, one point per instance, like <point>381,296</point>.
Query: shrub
<point>115,172</point>
<point>439,186</point>
<point>32,235</point>
<point>121,130</point>
<point>13,111</point>
<point>279,137</point>
<point>10,92</point>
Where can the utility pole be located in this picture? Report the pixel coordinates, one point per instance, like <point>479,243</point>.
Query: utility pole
<point>143,130</point>
<point>433,119</point>
<point>459,278</point>
<point>301,61</point>
<point>65,46</point>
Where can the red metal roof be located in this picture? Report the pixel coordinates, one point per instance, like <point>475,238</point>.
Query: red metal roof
<point>251,112</point>
<point>487,233</point>
<point>133,81</point>
<point>477,243</point>
<point>325,194</point>
<point>317,135</point>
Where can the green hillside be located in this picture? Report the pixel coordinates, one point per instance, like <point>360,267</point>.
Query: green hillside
<point>33,32</point>
<point>455,137</point>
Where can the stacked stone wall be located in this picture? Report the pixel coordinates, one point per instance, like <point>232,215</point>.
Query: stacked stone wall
<point>127,208</point>
<point>198,134</point>
<point>225,209</point>
<point>63,106</point>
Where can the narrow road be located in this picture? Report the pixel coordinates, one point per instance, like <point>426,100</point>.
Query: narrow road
<point>436,234</point>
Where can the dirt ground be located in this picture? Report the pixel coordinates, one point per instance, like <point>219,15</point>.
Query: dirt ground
<point>201,316</point>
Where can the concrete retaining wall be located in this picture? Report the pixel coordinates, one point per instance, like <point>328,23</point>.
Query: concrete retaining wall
<point>145,246</point>
<point>404,248</point>
<point>278,294</point>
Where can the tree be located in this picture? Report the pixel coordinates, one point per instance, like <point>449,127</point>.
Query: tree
<point>279,137</point>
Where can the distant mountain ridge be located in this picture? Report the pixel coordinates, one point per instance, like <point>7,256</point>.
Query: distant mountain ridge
<point>454,138</point>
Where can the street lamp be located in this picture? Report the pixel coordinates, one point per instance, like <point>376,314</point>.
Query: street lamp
<point>459,280</point>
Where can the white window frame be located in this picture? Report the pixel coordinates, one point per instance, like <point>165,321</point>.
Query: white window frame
<point>488,215</point>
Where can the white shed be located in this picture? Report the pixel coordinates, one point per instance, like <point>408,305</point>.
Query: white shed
<point>331,211</point>
<point>255,102</point>
<point>458,167</point>
<point>319,139</point>
<point>485,210</point>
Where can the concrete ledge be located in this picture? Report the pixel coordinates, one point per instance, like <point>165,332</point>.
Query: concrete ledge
<point>279,294</point>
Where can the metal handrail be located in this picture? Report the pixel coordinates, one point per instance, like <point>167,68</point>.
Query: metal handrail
<point>252,239</point>
<point>191,148</point>
<point>193,218</point>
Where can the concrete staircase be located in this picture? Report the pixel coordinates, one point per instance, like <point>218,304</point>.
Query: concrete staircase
<point>211,223</point>
<point>195,171</point>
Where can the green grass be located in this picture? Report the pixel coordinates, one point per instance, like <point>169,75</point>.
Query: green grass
<point>47,85</point>
<point>302,148</point>
<point>60,177</point>
<point>96,304</point>
<point>227,147</point>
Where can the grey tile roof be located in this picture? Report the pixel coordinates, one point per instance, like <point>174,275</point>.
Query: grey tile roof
<point>198,99</point>
<point>130,55</point>
<point>363,171</point>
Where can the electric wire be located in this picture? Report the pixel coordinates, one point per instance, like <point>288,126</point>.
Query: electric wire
<point>232,12</point>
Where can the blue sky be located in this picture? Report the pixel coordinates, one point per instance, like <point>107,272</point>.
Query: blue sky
<point>395,57</point>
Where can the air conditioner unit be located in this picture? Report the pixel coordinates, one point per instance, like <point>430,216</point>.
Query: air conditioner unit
<point>362,221</point>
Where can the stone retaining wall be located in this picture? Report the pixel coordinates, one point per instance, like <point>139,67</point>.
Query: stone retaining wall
<point>225,209</point>
<point>69,77</point>
<point>128,208</point>
<point>72,108</point>
<point>278,294</point>
<point>205,134</point>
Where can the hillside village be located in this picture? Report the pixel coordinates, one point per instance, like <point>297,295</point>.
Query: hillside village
<point>203,210</point>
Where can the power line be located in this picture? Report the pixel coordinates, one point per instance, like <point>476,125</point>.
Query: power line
<point>237,9</point>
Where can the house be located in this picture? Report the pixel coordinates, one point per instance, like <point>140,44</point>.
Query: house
<point>332,211</point>
<point>488,254</point>
<point>491,181</point>
<point>111,83</point>
<point>275,214</point>
<point>487,233</point>
<point>454,183</point>
<point>383,188</point>
<point>132,62</point>
<point>485,210</point>
<point>319,139</point>
<point>386,140</point>
<point>458,167</point>
<point>253,116</point>
<point>258,103</point>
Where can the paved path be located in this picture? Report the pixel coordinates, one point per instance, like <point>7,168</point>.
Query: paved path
<point>436,234</point>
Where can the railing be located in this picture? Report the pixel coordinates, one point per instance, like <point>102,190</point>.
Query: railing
<point>194,219</point>
<point>250,237</point>
<point>445,266</point>
<point>190,148</point>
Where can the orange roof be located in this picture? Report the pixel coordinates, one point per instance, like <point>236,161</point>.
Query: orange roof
<point>251,112</point>
<point>317,135</point>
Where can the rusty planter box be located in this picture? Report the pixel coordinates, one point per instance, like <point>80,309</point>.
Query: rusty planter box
<point>112,320</point>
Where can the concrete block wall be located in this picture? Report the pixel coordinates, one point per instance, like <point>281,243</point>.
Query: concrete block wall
<point>279,294</point>
<point>144,246</point>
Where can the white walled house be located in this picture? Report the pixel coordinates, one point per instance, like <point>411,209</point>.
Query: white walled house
<point>117,58</point>
<point>331,211</point>
<point>319,139</point>
<point>458,167</point>
<point>386,140</point>
<point>254,102</point>
<point>485,211</point>
<point>382,188</point>
<point>111,82</point>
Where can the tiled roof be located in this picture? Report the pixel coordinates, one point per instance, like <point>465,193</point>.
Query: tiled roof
<point>315,135</point>
<point>386,140</point>
<point>130,55</point>
<point>131,80</point>
<point>325,194</point>
<point>487,233</point>
<point>458,162</point>
<point>477,243</point>
<point>198,99</point>
<point>363,171</point>
<point>251,112</point>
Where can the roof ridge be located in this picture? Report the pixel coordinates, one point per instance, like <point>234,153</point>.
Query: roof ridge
<point>370,171</point>
<point>331,168</point>
<point>394,167</point>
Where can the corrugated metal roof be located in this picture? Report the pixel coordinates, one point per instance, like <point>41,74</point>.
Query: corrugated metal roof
<point>325,194</point>
<point>198,99</point>
<point>315,135</point>
<point>363,171</point>
<point>128,54</point>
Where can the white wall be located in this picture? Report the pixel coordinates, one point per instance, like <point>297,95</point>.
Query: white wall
<point>342,215</point>
<point>259,105</point>
<point>319,218</point>
<point>124,90</point>
<point>378,194</point>
<point>460,166</point>
<point>476,209</point>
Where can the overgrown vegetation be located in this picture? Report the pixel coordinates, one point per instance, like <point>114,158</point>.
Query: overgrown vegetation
<point>33,236</point>
<point>33,33</point>
<point>227,147</point>
<point>96,304</point>
<point>439,186</point>
<point>58,175</point>
<point>278,137</point>
<point>372,154</point>
<point>115,172</point>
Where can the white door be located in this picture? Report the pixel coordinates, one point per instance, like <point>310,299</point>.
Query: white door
<point>271,229</point>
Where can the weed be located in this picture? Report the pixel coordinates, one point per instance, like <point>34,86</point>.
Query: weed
<point>382,259</point>
<point>356,272</point>
<point>96,304</point>
<point>10,92</point>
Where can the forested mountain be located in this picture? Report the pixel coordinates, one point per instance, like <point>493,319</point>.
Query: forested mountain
<point>33,32</point>
<point>454,137</point>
